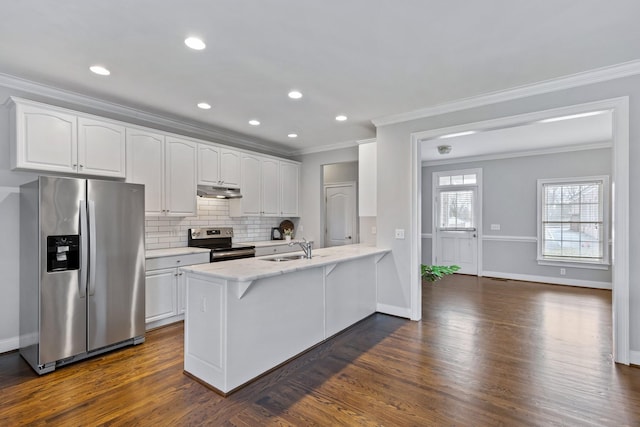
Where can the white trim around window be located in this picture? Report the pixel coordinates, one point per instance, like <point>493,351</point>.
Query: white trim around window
<point>601,259</point>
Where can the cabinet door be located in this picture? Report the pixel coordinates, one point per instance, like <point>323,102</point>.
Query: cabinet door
<point>289,188</point>
<point>145,165</point>
<point>249,204</point>
<point>180,177</point>
<point>160,296</point>
<point>270,187</point>
<point>101,148</point>
<point>230,168</point>
<point>208,165</point>
<point>182,291</point>
<point>46,139</point>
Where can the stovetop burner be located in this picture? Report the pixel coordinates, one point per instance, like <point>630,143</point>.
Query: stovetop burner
<point>219,240</point>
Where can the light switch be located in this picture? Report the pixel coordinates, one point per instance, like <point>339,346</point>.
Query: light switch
<point>399,233</point>
<point>495,227</point>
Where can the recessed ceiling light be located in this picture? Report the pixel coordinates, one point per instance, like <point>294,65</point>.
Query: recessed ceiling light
<point>254,122</point>
<point>195,43</point>
<point>294,94</point>
<point>572,116</point>
<point>293,135</point>
<point>453,135</point>
<point>204,105</point>
<point>99,69</point>
<point>341,118</point>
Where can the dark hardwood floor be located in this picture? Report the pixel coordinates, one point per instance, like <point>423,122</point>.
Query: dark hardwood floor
<point>486,353</point>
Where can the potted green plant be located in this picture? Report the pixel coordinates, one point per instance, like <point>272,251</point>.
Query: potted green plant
<point>288,234</point>
<point>431,273</point>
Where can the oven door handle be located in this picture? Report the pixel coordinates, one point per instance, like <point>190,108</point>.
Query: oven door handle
<point>240,252</point>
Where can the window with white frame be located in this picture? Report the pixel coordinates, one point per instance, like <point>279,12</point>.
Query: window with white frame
<point>573,221</point>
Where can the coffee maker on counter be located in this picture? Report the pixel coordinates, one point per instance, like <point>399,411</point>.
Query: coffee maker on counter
<point>276,234</point>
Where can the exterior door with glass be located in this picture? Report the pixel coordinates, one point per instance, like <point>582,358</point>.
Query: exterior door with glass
<point>456,214</point>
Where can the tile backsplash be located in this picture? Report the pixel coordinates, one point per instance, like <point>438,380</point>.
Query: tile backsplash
<point>171,232</point>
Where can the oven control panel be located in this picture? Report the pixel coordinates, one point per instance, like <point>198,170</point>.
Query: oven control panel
<point>211,233</point>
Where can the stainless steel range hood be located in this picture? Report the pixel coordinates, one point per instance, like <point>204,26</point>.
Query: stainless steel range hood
<point>212,192</point>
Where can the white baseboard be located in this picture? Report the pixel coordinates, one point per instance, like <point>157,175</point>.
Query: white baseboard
<point>634,357</point>
<point>547,279</point>
<point>9,344</point>
<point>164,322</point>
<point>394,310</point>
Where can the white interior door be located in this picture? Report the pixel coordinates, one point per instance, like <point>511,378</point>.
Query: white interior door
<point>340,214</point>
<point>456,229</point>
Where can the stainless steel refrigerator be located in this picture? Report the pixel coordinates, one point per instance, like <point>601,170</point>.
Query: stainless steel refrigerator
<point>82,269</point>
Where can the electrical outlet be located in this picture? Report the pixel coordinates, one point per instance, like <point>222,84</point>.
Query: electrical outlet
<point>399,233</point>
<point>495,227</point>
<point>374,230</point>
<point>203,305</point>
<point>300,228</point>
<point>563,271</point>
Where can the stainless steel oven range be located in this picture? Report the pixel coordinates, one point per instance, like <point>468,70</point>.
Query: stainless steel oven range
<point>219,240</point>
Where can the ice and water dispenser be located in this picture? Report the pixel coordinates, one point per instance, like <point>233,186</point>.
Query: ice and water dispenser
<point>63,253</point>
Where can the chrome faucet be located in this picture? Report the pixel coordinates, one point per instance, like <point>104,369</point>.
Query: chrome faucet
<point>305,245</point>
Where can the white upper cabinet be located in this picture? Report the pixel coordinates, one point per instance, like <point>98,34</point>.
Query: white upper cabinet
<point>230,168</point>
<point>289,188</point>
<point>101,148</point>
<point>270,188</point>
<point>218,166</point>
<point>251,187</point>
<point>180,177</point>
<point>45,138</point>
<point>145,165</point>
<point>167,168</point>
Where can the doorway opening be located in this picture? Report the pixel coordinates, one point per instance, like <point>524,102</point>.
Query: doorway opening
<point>339,204</point>
<point>619,109</point>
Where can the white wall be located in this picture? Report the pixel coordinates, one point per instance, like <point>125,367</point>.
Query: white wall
<point>394,179</point>
<point>509,195</point>
<point>312,191</point>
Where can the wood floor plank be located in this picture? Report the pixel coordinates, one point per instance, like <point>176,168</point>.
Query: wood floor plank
<point>486,353</point>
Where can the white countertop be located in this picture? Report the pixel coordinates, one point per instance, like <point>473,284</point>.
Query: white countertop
<point>158,253</point>
<point>249,269</point>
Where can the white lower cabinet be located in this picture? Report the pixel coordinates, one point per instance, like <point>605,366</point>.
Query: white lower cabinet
<point>165,287</point>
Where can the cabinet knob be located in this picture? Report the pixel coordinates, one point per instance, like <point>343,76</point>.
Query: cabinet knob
<point>177,260</point>
<point>81,166</point>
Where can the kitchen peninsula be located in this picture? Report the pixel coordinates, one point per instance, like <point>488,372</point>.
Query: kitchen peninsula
<point>248,316</point>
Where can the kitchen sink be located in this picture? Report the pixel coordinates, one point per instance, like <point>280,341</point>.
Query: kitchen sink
<point>286,258</point>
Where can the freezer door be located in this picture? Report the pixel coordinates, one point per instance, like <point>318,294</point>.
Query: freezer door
<point>116,262</point>
<point>62,303</point>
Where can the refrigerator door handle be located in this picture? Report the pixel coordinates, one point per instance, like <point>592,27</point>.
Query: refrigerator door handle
<point>92,247</point>
<point>84,246</point>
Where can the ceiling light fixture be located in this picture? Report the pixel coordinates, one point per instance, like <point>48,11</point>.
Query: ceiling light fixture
<point>572,116</point>
<point>453,135</point>
<point>204,105</point>
<point>254,122</point>
<point>99,69</point>
<point>341,118</point>
<point>194,43</point>
<point>293,135</point>
<point>444,149</point>
<point>294,94</point>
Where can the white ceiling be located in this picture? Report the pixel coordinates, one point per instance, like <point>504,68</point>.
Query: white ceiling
<point>528,138</point>
<point>363,58</point>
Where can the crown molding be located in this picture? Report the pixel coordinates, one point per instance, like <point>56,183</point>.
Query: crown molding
<point>366,141</point>
<point>597,75</point>
<point>323,148</point>
<point>218,135</point>
<point>500,156</point>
